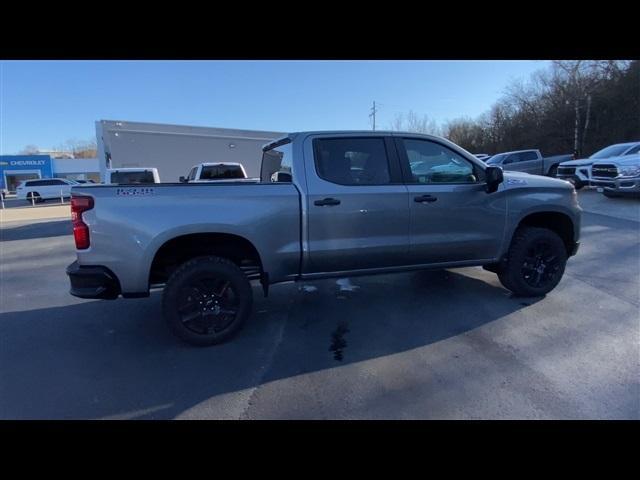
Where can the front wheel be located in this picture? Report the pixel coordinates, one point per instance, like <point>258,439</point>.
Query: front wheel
<point>207,300</point>
<point>535,262</point>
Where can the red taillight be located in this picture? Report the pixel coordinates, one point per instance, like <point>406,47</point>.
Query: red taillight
<point>80,229</point>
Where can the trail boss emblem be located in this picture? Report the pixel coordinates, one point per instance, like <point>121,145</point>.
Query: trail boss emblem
<point>135,191</point>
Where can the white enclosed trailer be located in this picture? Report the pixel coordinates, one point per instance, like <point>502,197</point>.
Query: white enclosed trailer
<point>174,149</point>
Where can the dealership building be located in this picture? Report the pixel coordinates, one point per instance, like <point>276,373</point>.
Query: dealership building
<point>174,149</point>
<point>16,168</point>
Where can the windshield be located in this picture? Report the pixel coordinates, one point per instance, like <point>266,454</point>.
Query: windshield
<point>610,151</point>
<point>495,159</point>
<point>213,172</point>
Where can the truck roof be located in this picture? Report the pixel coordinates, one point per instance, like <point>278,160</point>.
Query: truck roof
<point>372,133</point>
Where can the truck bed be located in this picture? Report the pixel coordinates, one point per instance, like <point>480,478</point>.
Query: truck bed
<point>130,223</point>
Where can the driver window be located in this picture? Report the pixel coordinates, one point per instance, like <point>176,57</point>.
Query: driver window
<point>431,162</point>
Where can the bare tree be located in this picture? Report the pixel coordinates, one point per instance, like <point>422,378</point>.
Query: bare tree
<point>412,123</point>
<point>29,150</point>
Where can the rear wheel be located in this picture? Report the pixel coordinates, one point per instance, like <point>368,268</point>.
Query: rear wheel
<point>35,196</point>
<point>535,262</point>
<point>553,171</point>
<point>207,300</point>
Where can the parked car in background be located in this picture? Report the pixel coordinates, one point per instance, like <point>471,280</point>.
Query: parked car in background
<point>482,156</point>
<point>85,181</point>
<point>617,176</point>
<point>41,189</point>
<point>578,171</point>
<point>529,161</point>
<point>353,203</point>
<point>216,172</point>
<point>132,176</point>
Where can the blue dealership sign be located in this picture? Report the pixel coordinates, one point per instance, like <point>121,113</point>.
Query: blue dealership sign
<point>24,164</point>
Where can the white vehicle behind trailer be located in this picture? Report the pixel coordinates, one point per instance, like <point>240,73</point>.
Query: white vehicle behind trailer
<point>217,172</point>
<point>132,176</point>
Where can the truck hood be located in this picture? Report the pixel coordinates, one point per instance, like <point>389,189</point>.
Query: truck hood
<point>583,162</point>
<point>521,179</point>
<point>623,161</point>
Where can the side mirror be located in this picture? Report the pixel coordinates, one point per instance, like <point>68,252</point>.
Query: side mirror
<point>183,179</point>
<point>494,177</point>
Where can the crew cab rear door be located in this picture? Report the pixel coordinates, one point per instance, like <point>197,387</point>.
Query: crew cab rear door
<point>452,218</point>
<point>357,205</point>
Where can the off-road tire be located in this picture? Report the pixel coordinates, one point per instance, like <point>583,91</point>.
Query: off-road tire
<point>515,274</point>
<point>184,276</point>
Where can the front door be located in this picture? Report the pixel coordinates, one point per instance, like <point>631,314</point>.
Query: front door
<point>358,213</point>
<point>452,218</point>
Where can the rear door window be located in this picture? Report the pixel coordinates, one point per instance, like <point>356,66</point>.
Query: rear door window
<point>352,161</point>
<point>526,156</point>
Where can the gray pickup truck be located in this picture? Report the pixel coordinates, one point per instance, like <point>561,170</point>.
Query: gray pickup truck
<point>328,204</point>
<point>529,161</point>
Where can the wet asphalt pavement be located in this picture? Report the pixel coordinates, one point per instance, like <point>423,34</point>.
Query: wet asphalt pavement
<point>440,344</point>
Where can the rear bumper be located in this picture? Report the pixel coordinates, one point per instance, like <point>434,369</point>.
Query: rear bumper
<point>93,282</point>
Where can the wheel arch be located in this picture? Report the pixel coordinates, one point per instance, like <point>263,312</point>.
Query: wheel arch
<point>559,222</point>
<point>182,247</point>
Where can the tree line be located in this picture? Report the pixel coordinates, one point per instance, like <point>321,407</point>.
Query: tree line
<point>575,107</point>
<point>78,148</point>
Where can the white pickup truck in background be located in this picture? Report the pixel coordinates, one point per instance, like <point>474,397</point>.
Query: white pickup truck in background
<point>217,172</point>
<point>131,176</point>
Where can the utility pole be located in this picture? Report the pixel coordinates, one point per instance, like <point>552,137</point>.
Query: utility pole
<point>373,114</point>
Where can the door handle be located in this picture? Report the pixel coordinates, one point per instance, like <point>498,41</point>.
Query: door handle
<point>327,201</point>
<point>425,198</point>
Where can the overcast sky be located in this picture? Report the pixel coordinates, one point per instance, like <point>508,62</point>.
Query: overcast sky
<point>46,103</point>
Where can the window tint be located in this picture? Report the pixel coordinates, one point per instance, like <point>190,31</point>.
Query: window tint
<point>352,161</point>
<point>132,177</point>
<point>214,172</point>
<point>525,156</point>
<point>277,166</point>
<point>513,158</point>
<point>610,151</point>
<point>192,173</point>
<point>431,162</point>
<point>635,149</point>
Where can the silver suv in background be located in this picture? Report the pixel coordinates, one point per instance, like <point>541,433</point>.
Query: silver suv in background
<point>528,161</point>
<point>578,171</point>
<point>41,189</point>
